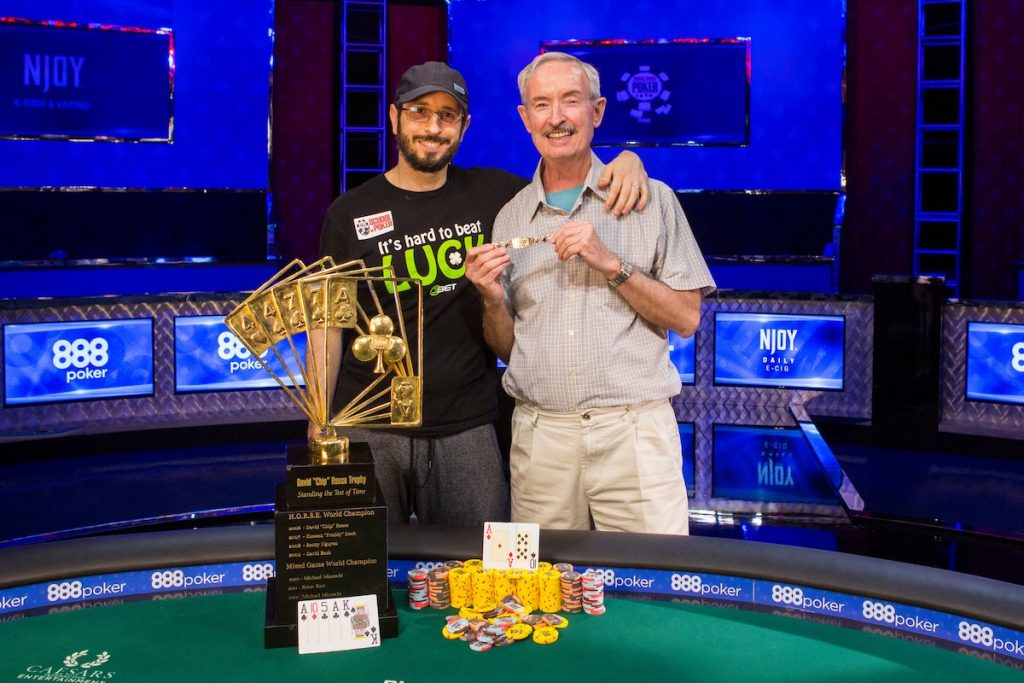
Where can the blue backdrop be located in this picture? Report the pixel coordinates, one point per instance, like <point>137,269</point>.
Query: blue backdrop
<point>221,100</point>
<point>795,99</point>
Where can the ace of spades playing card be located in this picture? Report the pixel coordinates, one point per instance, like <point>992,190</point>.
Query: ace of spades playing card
<point>508,546</point>
<point>336,624</point>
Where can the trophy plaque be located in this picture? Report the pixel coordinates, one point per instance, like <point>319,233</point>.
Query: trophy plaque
<point>330,521</point>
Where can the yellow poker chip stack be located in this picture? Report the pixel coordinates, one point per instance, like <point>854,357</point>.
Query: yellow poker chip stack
<point>543,566</point>
<point>502,583</point>
<point>550,591</point>
<point>461,581</point>
<point>496,607</point>
<point>483,589</point>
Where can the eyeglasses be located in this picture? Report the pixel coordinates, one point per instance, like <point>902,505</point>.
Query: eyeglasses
<point>445,117</point>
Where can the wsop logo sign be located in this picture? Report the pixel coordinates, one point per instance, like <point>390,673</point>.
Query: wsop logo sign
<point>646,93</point>
<point>81,666</point>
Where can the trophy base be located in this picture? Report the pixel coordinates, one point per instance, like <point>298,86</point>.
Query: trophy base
<point>328,449</point>
<point>287,635</point>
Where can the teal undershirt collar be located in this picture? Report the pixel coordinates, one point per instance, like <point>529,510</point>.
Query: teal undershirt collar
<point>564,199</point>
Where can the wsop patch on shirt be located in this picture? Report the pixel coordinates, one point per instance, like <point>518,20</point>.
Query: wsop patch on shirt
<point>368,227</point>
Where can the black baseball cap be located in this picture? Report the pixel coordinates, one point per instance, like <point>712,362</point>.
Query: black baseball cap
<point>432,77</point>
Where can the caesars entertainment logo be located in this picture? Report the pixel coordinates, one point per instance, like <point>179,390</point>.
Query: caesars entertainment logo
<point>82,666</point>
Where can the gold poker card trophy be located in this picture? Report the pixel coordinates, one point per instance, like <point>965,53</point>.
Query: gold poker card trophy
<point>330,521</point>
<point>319,301</point>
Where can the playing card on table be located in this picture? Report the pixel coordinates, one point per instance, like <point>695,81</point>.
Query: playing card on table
<point>338,624</point>
<point>510,545</point>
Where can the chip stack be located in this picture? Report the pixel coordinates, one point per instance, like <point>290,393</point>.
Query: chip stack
<point>515,577</point>
<point>496,606</point>
<point>572,592</point>
<point>473,564</point>
<point>418,596</point>
<point>502,584</point>
<point>483,589</point>
<point>437,588</point>
<point>460,582</point>
<point>550,590</point>
<point>543,566</point>
<point>529,587</point>
<point>593,592</point>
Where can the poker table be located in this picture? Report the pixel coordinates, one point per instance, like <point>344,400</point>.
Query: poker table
<point>215,633</point>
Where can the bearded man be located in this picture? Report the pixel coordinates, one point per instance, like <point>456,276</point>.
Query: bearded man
<point>420,219</point>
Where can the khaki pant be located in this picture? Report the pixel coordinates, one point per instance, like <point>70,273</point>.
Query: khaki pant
<point>620,467</point>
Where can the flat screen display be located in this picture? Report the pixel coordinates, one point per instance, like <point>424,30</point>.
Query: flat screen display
<point>190,77</point>
<point>209,357</point>
<point>650,86</point>
<point>700,138</point>
<point>75,80</point>
<point>689,450</point>
<point>682,351</point>
<point>783,350</point>
<point>995,362</point>
<point>76,361</point>
<point>767,464</point>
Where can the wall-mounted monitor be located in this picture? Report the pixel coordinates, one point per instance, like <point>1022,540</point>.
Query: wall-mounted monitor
<point>135,130</point>
<point>73,80</point>
<point>682,351</point>
<point>692,122</point>
<point>768,464</point>
<point>995,362</point>
<point>647,84</point>
<point>783,350</point>
<point>209,357</point>
<point>76,361</point>
<point>686,438</point>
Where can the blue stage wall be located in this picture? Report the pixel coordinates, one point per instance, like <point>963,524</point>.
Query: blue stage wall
<point>797,52</point>
<point>222,55</point>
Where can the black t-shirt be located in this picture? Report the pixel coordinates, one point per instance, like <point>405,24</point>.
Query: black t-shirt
<point>426,235</point>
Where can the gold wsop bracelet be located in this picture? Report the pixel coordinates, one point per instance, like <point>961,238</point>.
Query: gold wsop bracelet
<point>625,270</point>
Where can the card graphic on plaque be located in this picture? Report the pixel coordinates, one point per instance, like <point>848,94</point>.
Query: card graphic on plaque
<point>330,521</point>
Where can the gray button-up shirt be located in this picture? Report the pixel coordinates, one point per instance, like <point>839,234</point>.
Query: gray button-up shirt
<point>578,344</point>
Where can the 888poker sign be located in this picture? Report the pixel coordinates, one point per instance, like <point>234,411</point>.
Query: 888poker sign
<point>71,361</point>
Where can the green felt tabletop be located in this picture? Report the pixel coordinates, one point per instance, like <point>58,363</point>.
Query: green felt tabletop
<point>220,638</point>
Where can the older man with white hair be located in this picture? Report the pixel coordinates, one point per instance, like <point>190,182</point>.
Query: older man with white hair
<point>582,324</point>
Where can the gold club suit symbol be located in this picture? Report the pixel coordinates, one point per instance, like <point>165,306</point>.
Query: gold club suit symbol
<point>380,343</point>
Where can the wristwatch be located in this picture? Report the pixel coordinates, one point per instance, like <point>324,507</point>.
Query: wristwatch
<point>625,270</point>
